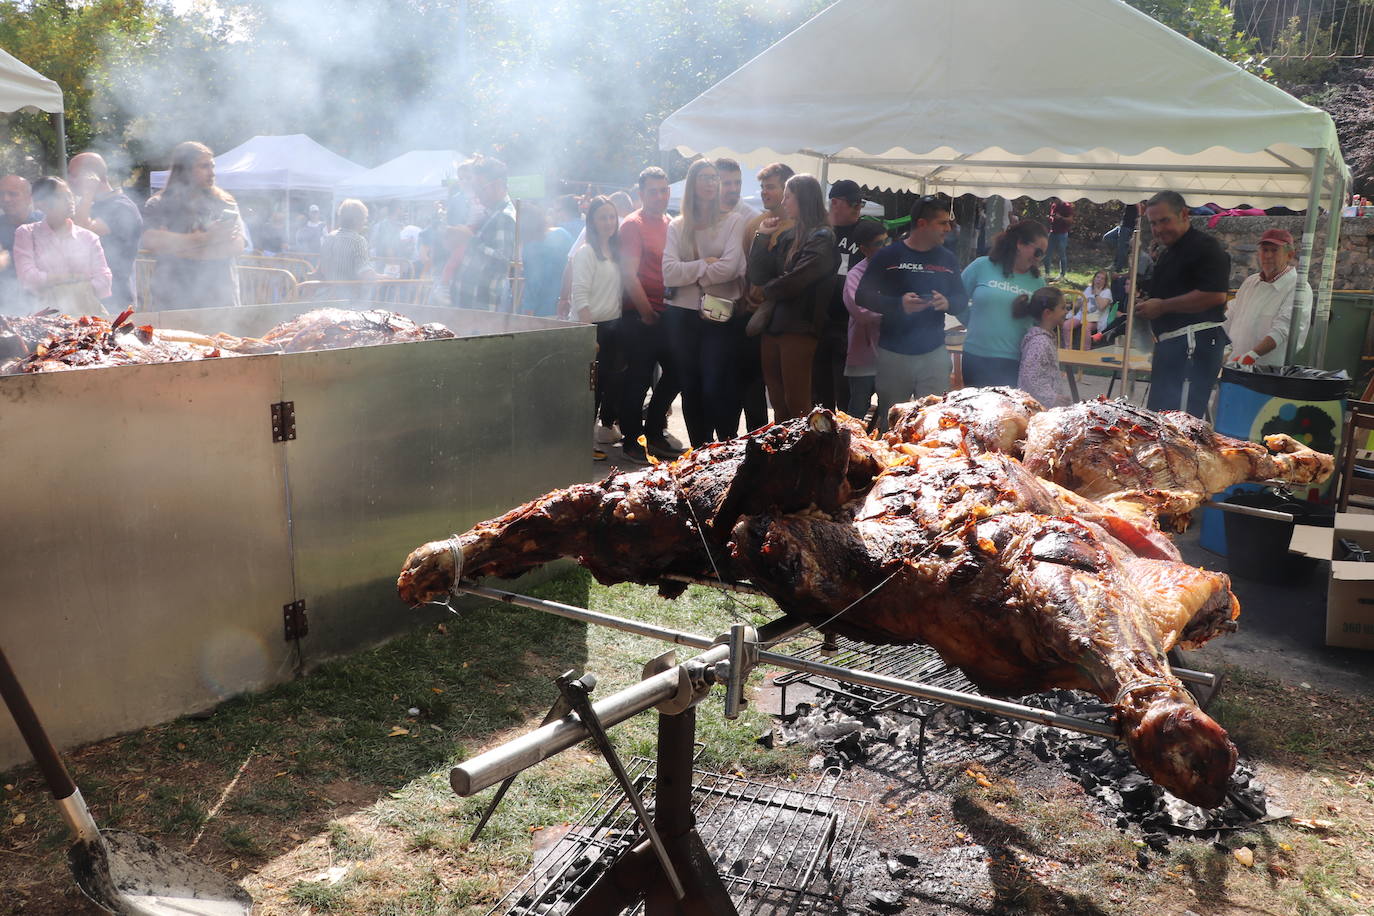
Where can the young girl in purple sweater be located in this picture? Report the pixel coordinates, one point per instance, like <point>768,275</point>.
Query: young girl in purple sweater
<point>1040,375</point>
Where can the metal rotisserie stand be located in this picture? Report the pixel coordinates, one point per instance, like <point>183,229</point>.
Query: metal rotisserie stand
<point>161,545</point>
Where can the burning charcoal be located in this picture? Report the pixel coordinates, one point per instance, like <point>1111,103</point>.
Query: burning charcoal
<point>909,857</point>
<point>1142,858</point>
<point>896,869</point>
<point>737,867</point>
<point>883,901</point>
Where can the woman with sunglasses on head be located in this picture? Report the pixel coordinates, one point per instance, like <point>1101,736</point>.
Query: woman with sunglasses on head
<point>703,262</point>
<point>992,347</point>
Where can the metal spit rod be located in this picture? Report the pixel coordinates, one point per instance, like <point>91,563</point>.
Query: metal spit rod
<point>1187,675</point>
<point>521,753</point>
<point>1250,510</point>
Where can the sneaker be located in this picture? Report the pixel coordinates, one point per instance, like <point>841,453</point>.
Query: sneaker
<point>662,447</point>
<point>634,453</point>
<point>598,453</point>
<point>607,435</point>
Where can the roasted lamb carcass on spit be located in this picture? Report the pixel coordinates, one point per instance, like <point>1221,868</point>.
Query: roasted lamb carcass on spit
<point>1022,583</point>
<point>976,419</point>
<point>1115,451</point>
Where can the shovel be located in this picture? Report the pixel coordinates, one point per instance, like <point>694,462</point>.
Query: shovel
<point>121,872</point>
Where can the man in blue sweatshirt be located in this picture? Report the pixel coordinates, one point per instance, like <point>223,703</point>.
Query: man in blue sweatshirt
<point>912,283</point>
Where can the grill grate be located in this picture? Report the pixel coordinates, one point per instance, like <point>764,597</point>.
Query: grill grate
<point>910,663</point>
<point>779,850</point>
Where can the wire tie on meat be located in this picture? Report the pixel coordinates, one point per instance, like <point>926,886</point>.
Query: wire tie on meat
<point>1146,683</point>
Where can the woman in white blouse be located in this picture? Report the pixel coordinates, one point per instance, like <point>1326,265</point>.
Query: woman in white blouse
<point>1097,300</point>
<point>704,257</point>
<point>596,298</point>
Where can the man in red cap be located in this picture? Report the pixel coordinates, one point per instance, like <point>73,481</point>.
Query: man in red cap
<point>1259,317</point>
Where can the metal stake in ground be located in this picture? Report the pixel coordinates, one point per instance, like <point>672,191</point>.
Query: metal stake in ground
<point>575,691</point>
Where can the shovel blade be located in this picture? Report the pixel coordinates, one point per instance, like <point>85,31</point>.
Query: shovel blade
<point>133,875</point>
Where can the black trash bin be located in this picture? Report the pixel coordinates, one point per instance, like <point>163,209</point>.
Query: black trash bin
<point>1258,547</point>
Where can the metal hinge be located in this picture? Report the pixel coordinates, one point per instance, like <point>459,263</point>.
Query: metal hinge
<point>293,616</point>
<point>283,421</point>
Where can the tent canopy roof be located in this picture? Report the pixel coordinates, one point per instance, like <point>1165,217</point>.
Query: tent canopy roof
<point>21,86</point>
<point>1105,103</point>
<point>417,175</point>
<point>291,162</point>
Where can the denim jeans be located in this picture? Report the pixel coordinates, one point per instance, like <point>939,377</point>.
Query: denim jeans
<point>705,354</point>
<point>1058,252</point>
<point>1184,369</point>
<point>643,346</point>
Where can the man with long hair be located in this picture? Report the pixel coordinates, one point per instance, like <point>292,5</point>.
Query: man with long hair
<point>195,231</point>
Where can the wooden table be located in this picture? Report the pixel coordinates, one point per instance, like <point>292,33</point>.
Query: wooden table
<point>1070,359</point>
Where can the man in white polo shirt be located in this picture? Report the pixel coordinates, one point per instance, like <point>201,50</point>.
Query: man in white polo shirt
<point>1259,317</point>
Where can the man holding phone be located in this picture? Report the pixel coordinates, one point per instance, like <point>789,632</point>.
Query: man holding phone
<point>912,283</point>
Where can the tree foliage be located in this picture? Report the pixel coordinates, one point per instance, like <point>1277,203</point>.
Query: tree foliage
<point>1210,23</point>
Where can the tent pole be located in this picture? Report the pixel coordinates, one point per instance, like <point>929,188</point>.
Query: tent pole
<point>1327,277</point>
<point>59,126</point>
<point>825,173</point>
<point>1302,299</point>
<point>1127,381</point>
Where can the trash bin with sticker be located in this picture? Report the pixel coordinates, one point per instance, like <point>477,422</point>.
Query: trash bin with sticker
<point>1307,404</point>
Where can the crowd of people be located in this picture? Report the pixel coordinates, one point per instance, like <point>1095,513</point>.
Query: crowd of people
<point>746,315</point>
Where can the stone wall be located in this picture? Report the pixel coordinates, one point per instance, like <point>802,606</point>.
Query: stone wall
<point>1240,234</point>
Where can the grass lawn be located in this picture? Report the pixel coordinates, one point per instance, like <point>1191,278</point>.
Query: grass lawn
<point>330,794</point>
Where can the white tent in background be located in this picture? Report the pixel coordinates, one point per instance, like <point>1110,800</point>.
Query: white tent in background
<point>417,175</point>
<point>22,87</point>
<point>293,162</point>
<point>1134,107</point>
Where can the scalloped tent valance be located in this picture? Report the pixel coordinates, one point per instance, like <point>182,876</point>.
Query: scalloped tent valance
<point>1071,98</point>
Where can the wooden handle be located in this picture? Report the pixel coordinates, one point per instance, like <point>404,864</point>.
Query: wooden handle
<point>44,754</point>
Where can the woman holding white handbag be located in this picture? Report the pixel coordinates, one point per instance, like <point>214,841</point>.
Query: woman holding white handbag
<point>703,262</point>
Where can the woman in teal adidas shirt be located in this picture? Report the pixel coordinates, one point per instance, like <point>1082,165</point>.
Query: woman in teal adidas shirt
<point>992,347</point>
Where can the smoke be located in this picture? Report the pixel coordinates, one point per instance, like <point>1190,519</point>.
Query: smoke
<point>565,88</point>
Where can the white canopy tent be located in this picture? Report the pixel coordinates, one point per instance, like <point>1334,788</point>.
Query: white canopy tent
<point>22,87</point>
<point>420,174</point>
<point>292,162</point>
<point>1125,108</point>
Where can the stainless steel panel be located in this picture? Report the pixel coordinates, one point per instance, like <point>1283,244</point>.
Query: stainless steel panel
<point>256,320</point>
<point>400,445</point>
<point>146,559</point>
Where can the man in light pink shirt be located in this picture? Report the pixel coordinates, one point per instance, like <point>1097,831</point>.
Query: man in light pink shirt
<point>61,264</point>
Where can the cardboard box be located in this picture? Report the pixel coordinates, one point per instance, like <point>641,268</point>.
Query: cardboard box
<point>1350,592</point>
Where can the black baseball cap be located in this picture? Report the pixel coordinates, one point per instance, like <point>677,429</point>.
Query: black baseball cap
<point>847,189</point>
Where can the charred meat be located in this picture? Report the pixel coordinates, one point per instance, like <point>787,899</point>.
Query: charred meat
<point>1114,450</point>
<point>975,419</point>
<point>1022,582</point>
